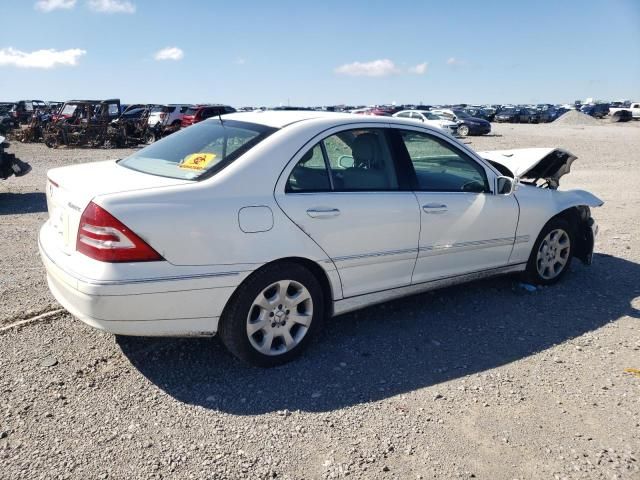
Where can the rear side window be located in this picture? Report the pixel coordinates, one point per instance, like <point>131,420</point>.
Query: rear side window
<point>353,160</point>
<point>171,109</point>
<point>183,109</point>
<point>198,151</point>
<point>310,174</point>
<point>439,167</point>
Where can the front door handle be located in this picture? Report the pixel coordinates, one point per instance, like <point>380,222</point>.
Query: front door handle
<point>434,208</point>
<point>320,212</point>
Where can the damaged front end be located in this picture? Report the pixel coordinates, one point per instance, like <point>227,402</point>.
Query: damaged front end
<point>9,164</point>
<point>541,167</point>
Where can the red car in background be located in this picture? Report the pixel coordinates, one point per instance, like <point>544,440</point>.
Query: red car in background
<point>197,113</point>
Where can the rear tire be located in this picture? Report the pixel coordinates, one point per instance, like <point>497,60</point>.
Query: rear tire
<point>551,255</point>
<point>273,315</point>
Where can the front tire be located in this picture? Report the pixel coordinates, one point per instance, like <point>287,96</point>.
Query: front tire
<point>551,254</point>
<point>463,130</point>
<point>273,315</point>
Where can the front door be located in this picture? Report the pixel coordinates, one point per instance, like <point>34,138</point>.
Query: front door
<point>465,227</point>
<point>345,193</point>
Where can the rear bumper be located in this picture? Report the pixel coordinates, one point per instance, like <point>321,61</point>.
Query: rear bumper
<point>188,306</point>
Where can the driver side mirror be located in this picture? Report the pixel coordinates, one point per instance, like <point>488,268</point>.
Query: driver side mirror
<point>505,185</point>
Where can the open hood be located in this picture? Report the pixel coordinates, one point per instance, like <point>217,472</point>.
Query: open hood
<point>533,164</point>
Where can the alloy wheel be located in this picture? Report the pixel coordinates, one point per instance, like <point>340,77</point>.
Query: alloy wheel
<point>553,254</point>
<point>279,317</point>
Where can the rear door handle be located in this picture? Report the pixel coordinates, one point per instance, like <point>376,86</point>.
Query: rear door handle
<point>320,212</point>
<point>434,208</point>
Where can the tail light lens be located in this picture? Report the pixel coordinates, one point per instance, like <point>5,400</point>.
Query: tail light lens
<point>163,116</point>
<point>103,237</point>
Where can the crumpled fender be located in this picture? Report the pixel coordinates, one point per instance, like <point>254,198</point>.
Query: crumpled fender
<point>537,207</point>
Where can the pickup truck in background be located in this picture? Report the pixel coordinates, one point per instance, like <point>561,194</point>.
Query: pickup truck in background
<point>619,114</point>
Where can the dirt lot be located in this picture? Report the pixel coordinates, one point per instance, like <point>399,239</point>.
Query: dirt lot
<point>483,381</point>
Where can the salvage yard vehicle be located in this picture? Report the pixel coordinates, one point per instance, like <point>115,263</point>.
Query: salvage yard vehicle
<point>198,113</point>
<point>467,125</point>
<point>9,164</point>
<point>168,115</point>
<point>596,110</point>
<point>633,108</point>
<point>82,123</point>
<point>131,128</point>
<point>429,118</point>
<point>23,109</point>
<point>257,226</point>
<point>518,115</point>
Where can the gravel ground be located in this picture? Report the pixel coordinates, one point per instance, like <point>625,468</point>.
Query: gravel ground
<point>482,381</point>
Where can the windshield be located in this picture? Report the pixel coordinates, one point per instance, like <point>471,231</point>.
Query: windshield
<point>191,111</point>
<point>205,147</point>
<point>461,114</point>
<point>68,109</point>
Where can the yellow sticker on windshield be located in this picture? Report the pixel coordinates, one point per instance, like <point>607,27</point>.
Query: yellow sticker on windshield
<point>197,161</point>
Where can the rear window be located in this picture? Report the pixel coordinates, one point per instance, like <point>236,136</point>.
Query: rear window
<point>158,109</point>
<point>191,111</point>
<point>198,151</point>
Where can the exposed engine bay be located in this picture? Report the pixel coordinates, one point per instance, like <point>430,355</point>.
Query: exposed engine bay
<point>541,167</point>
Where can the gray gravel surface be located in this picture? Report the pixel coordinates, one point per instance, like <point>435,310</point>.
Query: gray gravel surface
<point>483,381</point>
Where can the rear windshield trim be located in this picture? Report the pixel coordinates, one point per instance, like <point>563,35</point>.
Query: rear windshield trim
<point>263,132</point>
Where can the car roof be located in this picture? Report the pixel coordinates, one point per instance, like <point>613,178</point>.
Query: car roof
<point>282,118</point>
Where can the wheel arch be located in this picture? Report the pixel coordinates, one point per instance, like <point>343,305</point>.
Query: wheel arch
<point>328,289</point>
<point>579,217</point>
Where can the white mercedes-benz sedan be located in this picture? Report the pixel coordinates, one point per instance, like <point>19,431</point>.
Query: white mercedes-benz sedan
<point>257,226</point>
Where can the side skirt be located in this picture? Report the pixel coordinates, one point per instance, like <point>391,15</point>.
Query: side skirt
<point>361,301</point>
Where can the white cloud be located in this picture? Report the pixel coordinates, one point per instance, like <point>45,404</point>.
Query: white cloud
<point>376,68</point>
<point>112,6</point>
<point>50,5</point>
<point>419,69</point>
<point>40,58</point>
<point>453,61</point>
<point>169,53</point>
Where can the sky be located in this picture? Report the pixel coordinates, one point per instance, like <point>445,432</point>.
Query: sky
<point>359,52</point>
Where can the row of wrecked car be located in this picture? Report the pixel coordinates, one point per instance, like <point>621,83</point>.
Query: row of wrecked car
<point>99,123</point>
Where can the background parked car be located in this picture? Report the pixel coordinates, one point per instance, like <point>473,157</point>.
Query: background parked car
<point>429,118</point>
<point>597,110</point>
<point>168,114</point>
<point>632,108</point>
<point>198,113</point>
<point>467,125</point>
<point>23,109</point>
<point>517,115</point>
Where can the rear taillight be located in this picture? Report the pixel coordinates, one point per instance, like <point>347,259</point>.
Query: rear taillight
<point>163,116</point>
<point>103,237</point>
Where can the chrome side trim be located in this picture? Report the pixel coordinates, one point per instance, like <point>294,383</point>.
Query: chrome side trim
<point>160,279</point>
<point>354,303</point>
<point>464,246</point>
<point>374,254</point>
<point>432,250</point>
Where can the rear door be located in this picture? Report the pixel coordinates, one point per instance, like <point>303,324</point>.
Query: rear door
<point>345,191</point>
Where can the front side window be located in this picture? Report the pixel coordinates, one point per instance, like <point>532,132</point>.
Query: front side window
<point>439,167</point>
<point>200,150</point>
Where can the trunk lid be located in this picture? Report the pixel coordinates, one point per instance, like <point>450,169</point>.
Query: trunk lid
<point>70,189</point>
<point>533,164</point>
